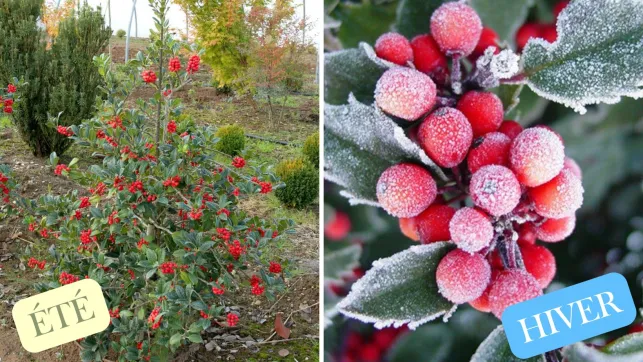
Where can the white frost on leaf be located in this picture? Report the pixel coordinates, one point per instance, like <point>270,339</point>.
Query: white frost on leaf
<point>495,348</point>
<point>579,352</point>
<point>596,57</point>
<point>354,200</point>
<point>505,64</point>
<point>400,290</point>
<point>341,261</point>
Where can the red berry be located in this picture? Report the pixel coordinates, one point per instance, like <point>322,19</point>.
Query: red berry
<point>471,229</point>
<point>384,338</point>
<point>488,38</point>
<point>571,165</point>
<point>558,198</point>
<point>559,7</point>
<point>540,263</point>
<point>536,156</point>
<point>456,28</point>
<point>394,47</point>
<point>636,328</point>
<point>408,227</point>
<point>482,302</point>
<point>428,58</point>
<point>433,223</point>
<point>337,228</point>
<point>483,110</point>
<point>490,149</point>
<point>445,135</point>
<point>555,230</point>
<point>526,32</point>
<point>405,190</point>
<point>549,33</point>
<point>148,76</point>
<point>510,128</point>
<point>511,287</point>
<point>495,189</point>
<point>370,353</point>
<point>462,277</point>
<point>405,93</point>
<point>527,233</point>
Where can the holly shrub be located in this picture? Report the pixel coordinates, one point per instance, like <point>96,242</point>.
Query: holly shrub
<point>420,124</point>
<point>158,225</point>
<point>302,183</point>
<point>232,139</point>
<point>311,149</point>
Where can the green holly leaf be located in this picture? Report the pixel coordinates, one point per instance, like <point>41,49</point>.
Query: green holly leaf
<point>628,344</point>
<point>504,16</point>
<point>400,289</point>
<point>596,58</point>
<point>413,16</point>
<point>631,348</point>
<point>414,346</point>
<point>363,22</point>
<point>176,339</point>
<point>341,260</point>
<point>495,348</point>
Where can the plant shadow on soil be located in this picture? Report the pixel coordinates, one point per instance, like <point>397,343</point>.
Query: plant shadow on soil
<point>297,119</point>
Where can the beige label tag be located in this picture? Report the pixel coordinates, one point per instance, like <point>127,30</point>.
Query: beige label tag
<point>61,315</point>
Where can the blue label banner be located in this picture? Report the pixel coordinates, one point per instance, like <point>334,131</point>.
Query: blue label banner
<point>569,315</point>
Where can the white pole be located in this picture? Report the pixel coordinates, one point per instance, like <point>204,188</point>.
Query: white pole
<point>129,30</point>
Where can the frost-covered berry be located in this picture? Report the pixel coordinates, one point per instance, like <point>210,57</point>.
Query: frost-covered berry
<point>483,110</point>
<point>482,302</point>
<point>338,227</point>
<point>462,277</point>
<point>549,33</point>
<point>408,227</point>
<point>555,230</point>
<point>456,28</point>
<point>510,128</point>
<point>527,233</point>
<point>540,263</point>
<point>490,149</point>
<point>471,229</point>
<point>495,189</point>
<point>405,190</point>
<point>488,38</point>
<point>571,165</point>
<point>558,198</point>
<point>526,32</point>
<point>511,287</point>
<point>405,93</point>
<point>536,156</point>
<point>394,47</point>
<point>429,59</point>
<point>433,223</point>
<point>445,135</point>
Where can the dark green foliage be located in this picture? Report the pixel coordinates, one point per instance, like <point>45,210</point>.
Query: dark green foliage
<point>232,140</point>
<point>60,76</point>
<point>294,82</point>
<point>311,149</point>
<point>120,34</point>
<point>302,183</point>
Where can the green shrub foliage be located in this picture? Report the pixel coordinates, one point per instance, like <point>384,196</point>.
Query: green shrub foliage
<point>120,34</point>
<point>60,77</point>
<point>232,140</point>
<point>311,149</point>
<point>302,183</point>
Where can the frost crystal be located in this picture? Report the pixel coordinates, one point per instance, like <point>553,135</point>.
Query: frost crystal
<point>596,58</point>
<point>505,64</point>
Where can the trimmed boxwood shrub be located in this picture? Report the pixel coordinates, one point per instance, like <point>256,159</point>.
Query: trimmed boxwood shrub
<point>302,183</point>
<point>232,140</point>
<point>311,149</point>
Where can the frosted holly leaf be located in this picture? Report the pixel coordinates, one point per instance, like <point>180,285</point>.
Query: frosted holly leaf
<point>504,16</point>
<point>631,343</point>
<point>352,71</point>
<point>579,352</point>
<point>341,261</point>
<point>495,348</point>
<point>361,142</point>
<point>596,58</point>
<point>400,289</point>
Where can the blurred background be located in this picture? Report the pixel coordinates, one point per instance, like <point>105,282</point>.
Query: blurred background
<point>607,142</point>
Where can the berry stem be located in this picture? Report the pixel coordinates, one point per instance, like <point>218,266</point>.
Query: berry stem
<point>445,189</point>
<point>445,101</point>
<point>458,179</point>
<point>456,74</point>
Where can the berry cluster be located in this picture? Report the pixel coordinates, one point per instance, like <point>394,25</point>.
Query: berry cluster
<point>519,184</point>
<point>233,319</point>
<point>369,347</point>
<point>545,31</point>
<point>174,65</point>
<point>193,64</point>
<point>33,263</point>
<point>148,76</point>
<point>66,278</point>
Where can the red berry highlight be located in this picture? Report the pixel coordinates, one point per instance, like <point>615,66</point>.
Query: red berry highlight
<point>510,128</point>
<point>490,149</point>
<point>527,234</point>
<point>395,48</point>
<point>433,223</point>
<point>488,38</point>
<point>337,228</point>
<point>511,287</point>
<point>555,230</point>
<point>540,263</point>
<point>429,59</point>
<point>495,189</point>
<point>408,226</point>
<point>456,28</point>
<point>445,135</point>
<point>462,277</point>
<point>536,156</point>
<point>483,110</point>
<point>558,198</point>
<point>470,229</point>
<point>405,93</point>
<point>405,190</point>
